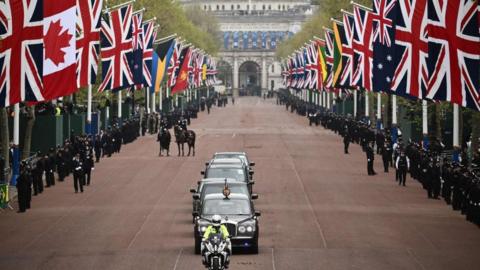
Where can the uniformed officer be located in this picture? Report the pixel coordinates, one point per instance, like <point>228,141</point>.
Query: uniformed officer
<point>386,156</point>
<point>88,166</point>
<point>78,173</point>
<point>346,140</point>
<point>402,164</point>
<point>22,188</point>
<point>370,159</point>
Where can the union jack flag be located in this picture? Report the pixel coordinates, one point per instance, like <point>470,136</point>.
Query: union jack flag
<point>149,36</point>
<point>21,51</point>
<point>411,49</point>
<point>136,61</point>
<point>200,59</point>
<point>174,64</point>
<point>329,39</point>
<point>382,23</point>
<point>362,45</point>
<point>88,40</point>
<point>454,52</point>
<point>314,65</point>
<point>117,45</point>
<point>347,50</point>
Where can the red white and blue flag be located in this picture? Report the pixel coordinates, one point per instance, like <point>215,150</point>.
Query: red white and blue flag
<point>454,52</point>
<point>88,40</point>
<point>21,51</point>
<point>136,62</point>
<point>329,39</point>
<point>362,45</point>
<point>347,51</point>
<point>117,46</point>
<point>174,64</point>
<point>149,36</point>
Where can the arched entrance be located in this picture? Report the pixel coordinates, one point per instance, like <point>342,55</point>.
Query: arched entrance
<point>225,74</point>
<point>249,76</point>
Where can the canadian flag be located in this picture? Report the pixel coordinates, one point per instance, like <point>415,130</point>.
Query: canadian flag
<point>59,60</point>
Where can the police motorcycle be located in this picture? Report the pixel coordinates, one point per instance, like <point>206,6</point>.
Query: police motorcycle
<point>216,254</point>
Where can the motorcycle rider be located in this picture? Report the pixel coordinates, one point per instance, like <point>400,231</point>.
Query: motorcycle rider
<point>217,228</point>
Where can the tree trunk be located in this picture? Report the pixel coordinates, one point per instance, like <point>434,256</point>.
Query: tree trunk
<point>475,122</point>
<point>4,136</point>
<point>27,143</point>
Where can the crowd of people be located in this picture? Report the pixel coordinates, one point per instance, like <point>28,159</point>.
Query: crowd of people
<point>77,157</point>
<point>457,181</point>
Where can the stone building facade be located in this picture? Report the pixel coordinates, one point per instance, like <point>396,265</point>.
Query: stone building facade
<point>250,33</point>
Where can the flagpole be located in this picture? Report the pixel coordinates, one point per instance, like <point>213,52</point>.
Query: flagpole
<point>107,111</point>
<point>355,103</point>
<point>367,105</point>
<point>153,102</point>
<point>456,132</point>
<point>89,109</point>
<point>425,123</point>
<point>328,101</point>
<point>119,113</point>
<point>119,6</point>
<point>16,143</point>
<point>147,99</point>
<point>379,110</point>
<point>160,99</point>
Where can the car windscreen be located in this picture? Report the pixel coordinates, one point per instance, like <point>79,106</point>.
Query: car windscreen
<point>235,173</point>
<point>212,189</point>
<point>241,157</point>
<point>226,207</point>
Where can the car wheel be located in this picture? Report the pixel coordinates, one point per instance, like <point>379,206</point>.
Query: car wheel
<point>197,245</point>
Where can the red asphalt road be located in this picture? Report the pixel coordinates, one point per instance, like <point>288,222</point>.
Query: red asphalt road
<point>319,209</point>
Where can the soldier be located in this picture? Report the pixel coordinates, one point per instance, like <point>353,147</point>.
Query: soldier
<point>435,181</point>
<point>98,147</point>
<point>37,175</point>
<point>22,188</point>
<point>78,173</point>
<point>370,159</point>
<point>402,164</point>
<point>346,140</point>
<point>386,156</point>
<point>88,166</point>
<point>60,165</point>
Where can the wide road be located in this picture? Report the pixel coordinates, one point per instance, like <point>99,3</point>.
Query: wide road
<point>319,209</point>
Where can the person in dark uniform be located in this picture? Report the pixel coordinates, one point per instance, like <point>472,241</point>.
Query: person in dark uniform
<point>22,188</point>
<point>37,175</point>
<point>386,156</point>
<point>98,148</point>
<point>434,179</point>
<point>78,174</point>
<point>88,166</point>
<point>370,159</point>
<point>346,140</point>
<point>2,170</point>
<point>402,164</point>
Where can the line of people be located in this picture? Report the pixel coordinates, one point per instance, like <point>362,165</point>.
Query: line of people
<point>77,156</point>
<point>457,182</point>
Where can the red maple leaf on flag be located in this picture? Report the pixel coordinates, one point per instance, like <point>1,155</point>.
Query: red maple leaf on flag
<point>55,40</point>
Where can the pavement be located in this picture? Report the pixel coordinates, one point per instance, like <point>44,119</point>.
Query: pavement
<point>319,208</point>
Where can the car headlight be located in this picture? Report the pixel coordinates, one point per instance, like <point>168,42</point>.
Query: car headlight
<point>203,229</point>
<point>242,229</point>
<point>249,228</point>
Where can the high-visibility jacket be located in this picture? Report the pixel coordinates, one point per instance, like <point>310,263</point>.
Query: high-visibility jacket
<point>212,230</point>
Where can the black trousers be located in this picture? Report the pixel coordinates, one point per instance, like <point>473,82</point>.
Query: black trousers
<point>78,181</point>
<point>50,178</point>
<point>370,168</point>
<point>346,145</point>
<point>87,175</point>
<point>385,165</point>
<point>37,184</point>
<point>402,176</point>
<point>22,199</point>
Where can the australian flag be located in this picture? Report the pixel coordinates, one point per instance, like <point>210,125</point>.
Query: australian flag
<point>384,19</point>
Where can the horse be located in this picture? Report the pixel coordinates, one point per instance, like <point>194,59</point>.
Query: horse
<point>164,138</point>
<point>183,136</point>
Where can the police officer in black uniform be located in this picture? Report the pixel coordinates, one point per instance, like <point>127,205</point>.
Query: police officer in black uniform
<point>88,166</point>
<point>402,164</point>
<point>370,159</point>
<point>78,173</point>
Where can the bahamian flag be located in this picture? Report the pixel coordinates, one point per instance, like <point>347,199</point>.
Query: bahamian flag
<point>4,195</point>
<point>340,39</point>
<point>160,62</point>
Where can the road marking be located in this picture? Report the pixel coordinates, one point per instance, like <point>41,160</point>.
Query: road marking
<point>273,260</point>
<point>178,259</point>
<point>409,251</point>
<point>299,180</point>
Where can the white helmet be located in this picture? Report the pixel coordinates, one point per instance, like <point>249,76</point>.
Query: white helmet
<point>216,221</point>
